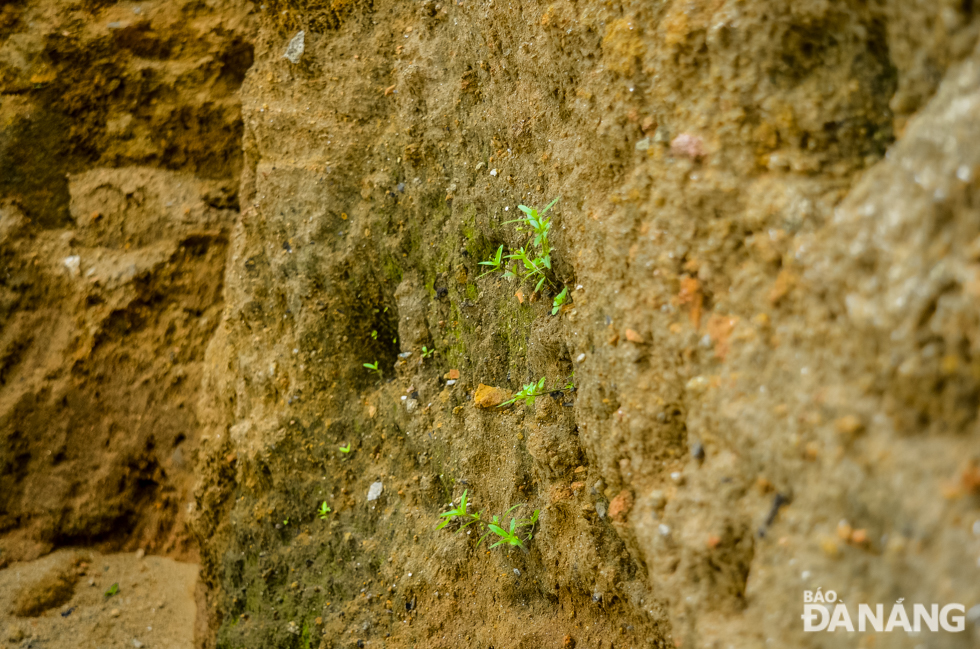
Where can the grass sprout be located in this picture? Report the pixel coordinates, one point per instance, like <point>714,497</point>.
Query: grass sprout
<point>532,261</point>
<point>323,511</point>
<point>460,512</point>
<point>533,390</point>
<point>515,534</point>
<point>494,261</point>
<point>559,301</point>
<point>374,368</point>
<point>512,535</point>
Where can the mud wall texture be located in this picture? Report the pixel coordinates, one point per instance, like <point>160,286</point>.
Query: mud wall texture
<point>768,228</point>
<point>120,131</point>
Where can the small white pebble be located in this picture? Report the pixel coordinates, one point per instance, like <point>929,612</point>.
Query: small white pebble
<point>294,51</point>
<point>451,382</point>
<point>663,529</point>
<point>580,358</point>
<point>677,477</point>
<point>493,172</point>
<point>805,575</point>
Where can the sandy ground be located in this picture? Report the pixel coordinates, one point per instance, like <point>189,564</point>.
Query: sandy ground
<point>154,606</point>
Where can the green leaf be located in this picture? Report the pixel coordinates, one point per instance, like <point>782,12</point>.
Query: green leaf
<point>113,589</point>
<point>550,205</point>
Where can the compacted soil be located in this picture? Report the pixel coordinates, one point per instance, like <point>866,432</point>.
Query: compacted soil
<point>248,319</point>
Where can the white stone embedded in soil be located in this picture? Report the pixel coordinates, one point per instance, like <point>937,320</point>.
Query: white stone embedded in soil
<point>375,491</point>
<point>73,264</point>
<point>294,51</point>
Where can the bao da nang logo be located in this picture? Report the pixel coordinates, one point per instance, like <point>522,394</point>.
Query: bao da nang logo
<point>825,612</point>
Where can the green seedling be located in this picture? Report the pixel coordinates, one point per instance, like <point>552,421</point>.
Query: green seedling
<point>537,224</point>
<point>511,536</point>
<point>532,390</point>
<point>560,300</point>
<point>113,589</point>
<point>323,511</point>
<point>345,449</point>
<point>494,261</point>
<point>426,352</point>
<point>374,368</point>
<point>533,261</point>
<point>459,512</point>
<point>506,536</point>
<point>527,394</point>
<point>520,530</point>
<point>374,334</point>
<point>534,267</point>
<point>285,522</point>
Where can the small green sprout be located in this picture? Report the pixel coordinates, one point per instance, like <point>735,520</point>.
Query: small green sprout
<point>286,522</point>
<point>374,368</point>
<point>527,394</point>
<point>533,390</point>
<point>426,352</point>
<point>459,512</point>
<point>534,259</point>
<point>494,261</point>
<point>323,511</point>
<point>533,266</point>
<point>511,536</point>
<point>374,334</point>
<point>113,589</point>
<point>560,300</point>
<point>345,449</point>
<point>520,530</point>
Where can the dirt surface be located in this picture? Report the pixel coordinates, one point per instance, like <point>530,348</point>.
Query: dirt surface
<point>119,157</point>
<point>62,601</point>
<point>764,379</point>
